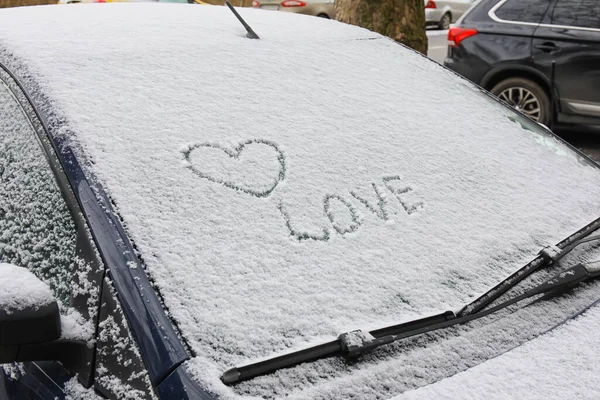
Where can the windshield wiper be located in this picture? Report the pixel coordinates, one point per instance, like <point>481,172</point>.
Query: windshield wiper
<point>547,256</point>
<point>355,343</point>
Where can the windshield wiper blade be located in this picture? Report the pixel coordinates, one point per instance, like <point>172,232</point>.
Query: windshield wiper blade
<point>325,350</point>
<point>355,343</point>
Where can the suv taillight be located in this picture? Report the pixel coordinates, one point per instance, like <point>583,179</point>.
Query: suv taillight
<point>431,4</point>
<point>457,35</point>
<point>293,3</point>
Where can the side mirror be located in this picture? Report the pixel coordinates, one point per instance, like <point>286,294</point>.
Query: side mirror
<point>30,326</point>
<point>28,311</point>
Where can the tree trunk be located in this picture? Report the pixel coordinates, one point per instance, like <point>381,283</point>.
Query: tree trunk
<point>402,20</point>
<point>16,3</point>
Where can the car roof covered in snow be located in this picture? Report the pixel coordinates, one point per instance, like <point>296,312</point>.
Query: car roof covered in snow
<point>284,190</point>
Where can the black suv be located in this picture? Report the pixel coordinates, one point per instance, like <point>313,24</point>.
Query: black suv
<point>541,56</point>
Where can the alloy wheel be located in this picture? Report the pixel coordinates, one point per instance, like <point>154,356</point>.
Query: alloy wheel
<point>523,100</point>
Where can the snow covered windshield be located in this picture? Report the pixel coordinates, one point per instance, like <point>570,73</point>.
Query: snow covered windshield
<point>284,190</point>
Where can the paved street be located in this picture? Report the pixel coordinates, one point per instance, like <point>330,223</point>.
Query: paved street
<point>588,141</point>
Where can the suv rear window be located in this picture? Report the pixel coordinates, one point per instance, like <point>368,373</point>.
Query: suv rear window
<point>523,11</point>
<point>580,13</point>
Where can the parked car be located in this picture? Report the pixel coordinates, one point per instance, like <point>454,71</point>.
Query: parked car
<point>541,57</point>
<point>130,1</point>
<point>442,13</point>
<point>306,233</point>
<point>319,8</point>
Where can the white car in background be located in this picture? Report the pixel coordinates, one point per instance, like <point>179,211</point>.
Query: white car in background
<point>318,8</point>
<point>442,13</point>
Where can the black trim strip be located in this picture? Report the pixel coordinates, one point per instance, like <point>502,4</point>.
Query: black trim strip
<point>160,346</point>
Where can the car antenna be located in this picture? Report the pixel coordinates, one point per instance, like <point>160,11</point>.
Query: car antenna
<point>552,97</point>
<point>251,34</point>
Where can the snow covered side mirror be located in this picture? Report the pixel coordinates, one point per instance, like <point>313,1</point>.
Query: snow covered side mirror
<point>28,311</point>
<point>30,325</point>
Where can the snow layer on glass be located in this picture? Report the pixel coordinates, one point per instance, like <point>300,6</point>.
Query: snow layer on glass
<point>36,229</point>
<point>558,365</point>
<point>284,190</point>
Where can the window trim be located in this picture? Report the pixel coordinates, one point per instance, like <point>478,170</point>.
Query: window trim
<point>49,152</point>
<point>40,132</point>
<point>161,346</point>
<point>493,16</point>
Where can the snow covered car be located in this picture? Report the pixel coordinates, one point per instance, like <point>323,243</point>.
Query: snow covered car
<point>303,234</point>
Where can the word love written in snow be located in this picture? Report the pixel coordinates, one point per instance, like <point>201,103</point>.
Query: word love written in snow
<point>255,150</point>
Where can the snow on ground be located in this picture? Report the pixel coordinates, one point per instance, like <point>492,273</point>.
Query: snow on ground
<point>284,190</point>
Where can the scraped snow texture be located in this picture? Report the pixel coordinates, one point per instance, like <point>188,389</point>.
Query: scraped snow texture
<point>319,180</point>
<point>20,289</point>
<point>559,365</point>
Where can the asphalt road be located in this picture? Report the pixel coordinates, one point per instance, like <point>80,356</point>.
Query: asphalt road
<point>587,141</point>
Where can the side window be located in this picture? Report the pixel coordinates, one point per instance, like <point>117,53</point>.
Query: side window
<point>43,232</point>
<point>579,13</point>
<point>41,225</point>
<point>36,228</point>
<point>523,10</point>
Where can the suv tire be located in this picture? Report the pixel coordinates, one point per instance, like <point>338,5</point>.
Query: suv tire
<point>526,96</point>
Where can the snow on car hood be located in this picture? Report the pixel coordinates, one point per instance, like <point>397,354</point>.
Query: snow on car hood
<point>318,180</point>
<point>555,365</point>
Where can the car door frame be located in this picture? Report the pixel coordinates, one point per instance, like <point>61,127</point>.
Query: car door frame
<point>565,110</point>
<point>161,347</point>
<point>33,372</point>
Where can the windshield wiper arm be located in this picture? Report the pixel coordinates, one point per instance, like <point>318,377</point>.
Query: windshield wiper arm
<point>547,256</point>
<point>351,344</point>
<point>355,343</point>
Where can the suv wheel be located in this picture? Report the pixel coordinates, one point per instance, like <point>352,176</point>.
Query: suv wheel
<point>445,21</point>
<point>526,96</point>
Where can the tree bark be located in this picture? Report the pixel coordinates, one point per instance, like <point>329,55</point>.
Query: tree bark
<point>17,3</point>
<point>402,20</point>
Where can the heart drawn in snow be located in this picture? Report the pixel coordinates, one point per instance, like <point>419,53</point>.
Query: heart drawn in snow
<point>255,166</point>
